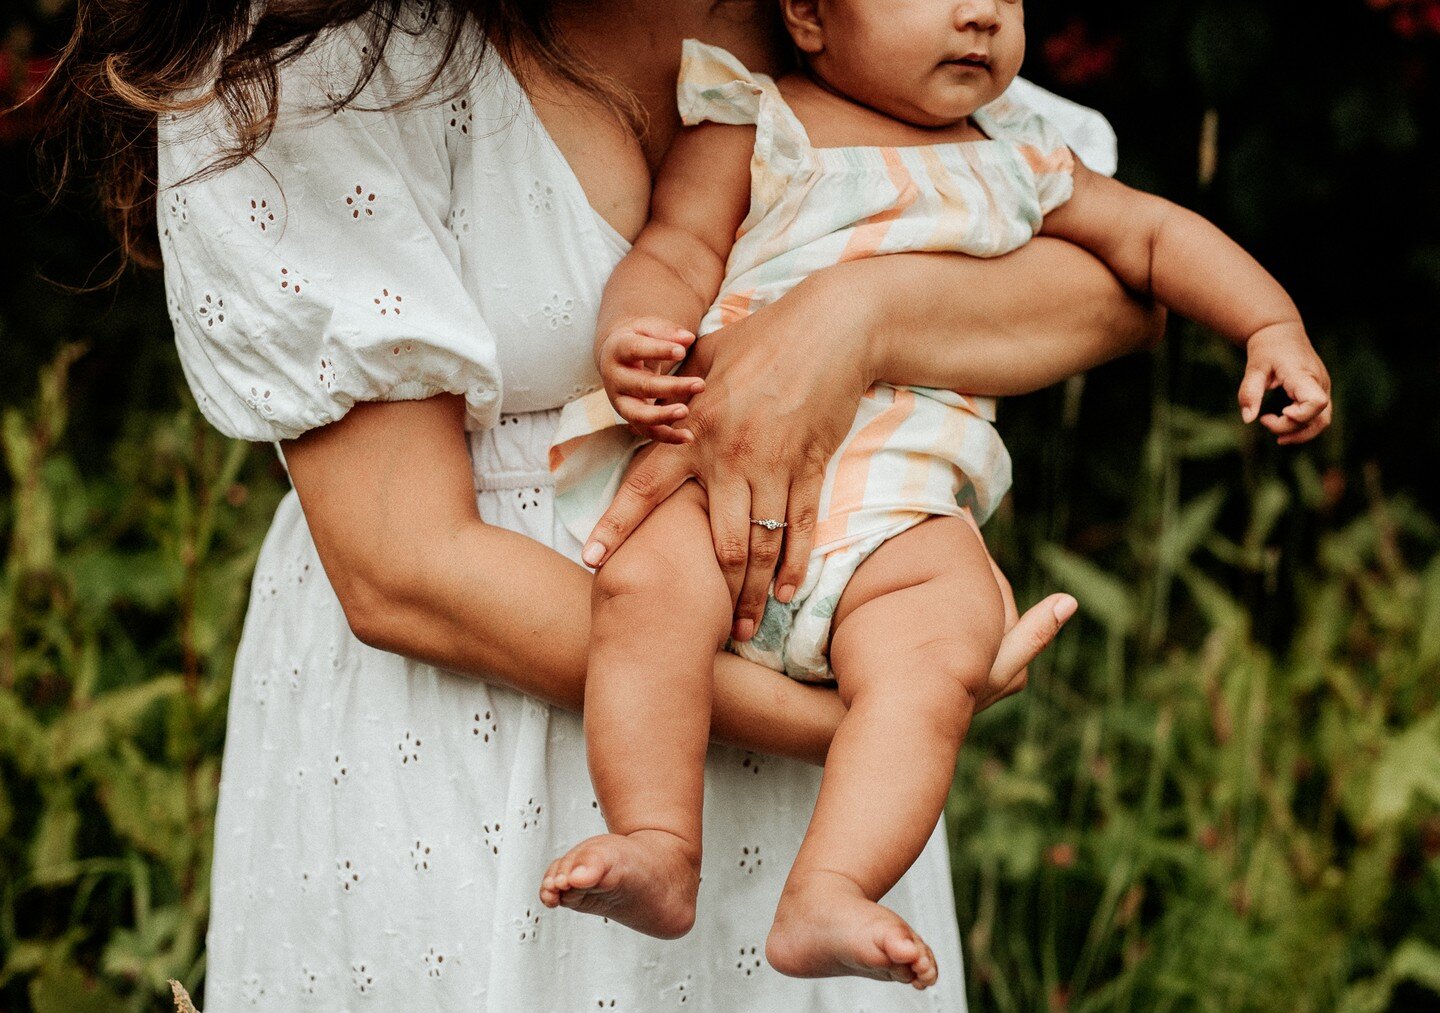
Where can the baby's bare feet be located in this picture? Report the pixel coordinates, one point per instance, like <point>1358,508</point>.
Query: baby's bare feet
<point>826,927</point>
<point>646,880</point>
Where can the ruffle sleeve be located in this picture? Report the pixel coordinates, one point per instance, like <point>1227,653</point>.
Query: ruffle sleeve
<point>321,272</point>
<point>713,85</point>
<point>1041,143</point>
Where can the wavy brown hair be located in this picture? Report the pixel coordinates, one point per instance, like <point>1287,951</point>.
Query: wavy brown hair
<point>129,61</point>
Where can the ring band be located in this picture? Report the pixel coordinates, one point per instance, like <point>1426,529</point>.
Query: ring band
<point>769,523</point>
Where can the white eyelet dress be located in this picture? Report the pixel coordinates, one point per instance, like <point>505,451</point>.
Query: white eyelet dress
<point>382,824</point>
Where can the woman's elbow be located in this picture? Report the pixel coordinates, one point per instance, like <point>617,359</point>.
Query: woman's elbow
<point>374,609</point>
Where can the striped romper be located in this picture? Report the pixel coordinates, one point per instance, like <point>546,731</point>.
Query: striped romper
<point>912,452</point>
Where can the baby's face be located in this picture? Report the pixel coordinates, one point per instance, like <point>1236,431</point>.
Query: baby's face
<point>927,62</point>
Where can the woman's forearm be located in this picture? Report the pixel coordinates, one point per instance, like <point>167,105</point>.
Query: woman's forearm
<point>528,627</point>
<point>999,327</point>
<point>389,498</point>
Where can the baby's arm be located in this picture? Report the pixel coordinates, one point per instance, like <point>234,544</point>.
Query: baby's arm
<point>1189,265</point>
<point>658,294</point>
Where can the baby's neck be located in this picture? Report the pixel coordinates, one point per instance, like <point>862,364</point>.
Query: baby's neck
<point>835,120</point>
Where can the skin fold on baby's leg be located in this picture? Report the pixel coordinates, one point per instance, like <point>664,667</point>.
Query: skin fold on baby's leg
<point>916,629</point>
<point>660,611</point>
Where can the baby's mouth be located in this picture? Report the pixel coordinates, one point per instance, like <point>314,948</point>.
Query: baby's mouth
<point>975,61</point>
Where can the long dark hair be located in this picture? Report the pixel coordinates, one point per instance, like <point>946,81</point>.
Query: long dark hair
<point>128,62</point>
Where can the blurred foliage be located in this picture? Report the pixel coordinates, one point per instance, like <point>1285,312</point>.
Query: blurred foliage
<point>1222,790</point>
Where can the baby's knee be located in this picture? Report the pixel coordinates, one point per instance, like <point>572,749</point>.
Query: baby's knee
<point>660,577</point>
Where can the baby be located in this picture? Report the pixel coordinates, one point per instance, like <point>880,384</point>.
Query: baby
<point>894,137</point>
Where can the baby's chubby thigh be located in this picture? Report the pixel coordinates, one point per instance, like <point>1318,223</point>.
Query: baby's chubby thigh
<point>922,617</point>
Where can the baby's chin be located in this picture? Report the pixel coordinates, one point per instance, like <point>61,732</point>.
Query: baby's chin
<point>952,104</point>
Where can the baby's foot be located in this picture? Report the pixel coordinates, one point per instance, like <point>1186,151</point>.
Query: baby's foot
<point>646,880</point>
<point>826,926</point>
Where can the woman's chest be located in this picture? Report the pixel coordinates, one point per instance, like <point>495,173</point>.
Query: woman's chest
<point>532,252</point>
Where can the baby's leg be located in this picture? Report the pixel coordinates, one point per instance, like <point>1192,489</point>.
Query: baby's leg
<point>660,611</point>
<point>917,627</point>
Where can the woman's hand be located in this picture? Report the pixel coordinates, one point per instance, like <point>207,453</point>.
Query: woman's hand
<point>781,391</point>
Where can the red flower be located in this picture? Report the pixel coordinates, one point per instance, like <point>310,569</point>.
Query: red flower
<point>1077,59</point>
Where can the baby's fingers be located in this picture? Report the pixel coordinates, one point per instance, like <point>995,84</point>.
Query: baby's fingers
<point>1314,429</point>
<point>643,384</point>
<point>1252,392</point>
<point>633,347</point>
<point>1308,396</point>
<point>642,413</point>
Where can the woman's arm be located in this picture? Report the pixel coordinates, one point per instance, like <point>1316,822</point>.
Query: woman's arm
<point>783,384</point>
<point>389,498</point>
<point>999,327</point>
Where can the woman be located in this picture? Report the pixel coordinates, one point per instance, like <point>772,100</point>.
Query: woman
<point>411,255</point>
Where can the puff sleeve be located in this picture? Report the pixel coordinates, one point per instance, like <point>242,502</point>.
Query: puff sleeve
<point>321,272</point>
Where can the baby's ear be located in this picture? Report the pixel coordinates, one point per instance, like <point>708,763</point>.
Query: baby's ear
<point>802,20</point>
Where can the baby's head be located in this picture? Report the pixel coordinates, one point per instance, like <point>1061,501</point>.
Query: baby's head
<point>927,62</point>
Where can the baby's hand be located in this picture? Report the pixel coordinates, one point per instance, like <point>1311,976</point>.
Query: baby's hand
<point>634,359</point>
<point>1281,356</point>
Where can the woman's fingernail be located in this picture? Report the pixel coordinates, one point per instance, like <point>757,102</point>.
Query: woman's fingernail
<point>1065,608</point>
<point>786,592</point>
<point>594,552</point>
<point>744,629</point>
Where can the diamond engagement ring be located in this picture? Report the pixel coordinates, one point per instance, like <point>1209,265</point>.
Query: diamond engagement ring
<point>769,523</point>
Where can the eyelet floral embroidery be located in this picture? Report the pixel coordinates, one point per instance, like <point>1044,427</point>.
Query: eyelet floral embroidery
<point>309,980</point>
<point>361,977</point>
<point>493,837</point>
<point>434,962</point>
<point>605,1003</point>
<point>558,310</point>
<point>483,726</point>
<point>252,990</point>
<point>530,815</point>
<point>389,302</point>
<point>420,856</point>
<point>529,498</point>
<point>683,989</point>
<point>259,402</point>
<point>361,203</point>
<point>307,879</point>
<point>266,586</point>
<point>529,925</point>
<point>458,221</point>
<point>750,859</point>
<point>753,762</point>
<point>211,310</point>
<point>260,686</point>
<point>350,877</point>
<point>540,198</point>
<point>339,770</point>
<point>260,214</point>
<point>461,115</point>
<point>292,281</point>
<point>749,961</point>
<point>327,374</point>
<point>178,206</point>
<point>297,778</point>
<point>409,748</point>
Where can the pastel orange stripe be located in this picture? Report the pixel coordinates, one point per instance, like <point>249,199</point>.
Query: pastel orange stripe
<point>867,236</point>
<point>852,469</point>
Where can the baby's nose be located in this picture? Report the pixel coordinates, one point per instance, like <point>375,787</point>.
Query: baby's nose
<point>979,15</point>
